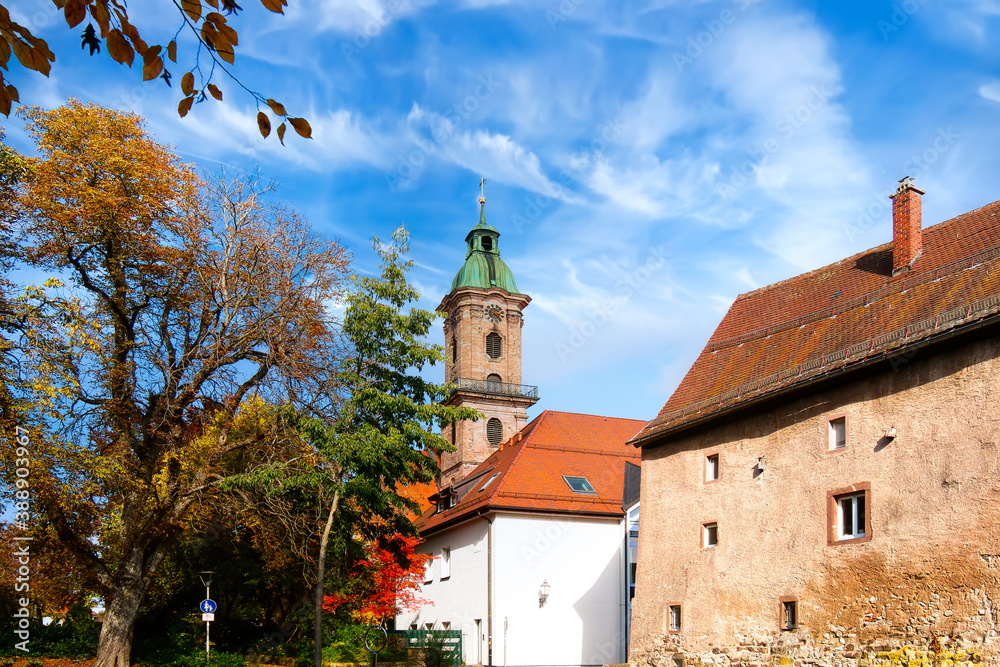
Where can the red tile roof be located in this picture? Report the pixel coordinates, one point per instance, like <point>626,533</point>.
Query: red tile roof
<point>837,318</point>
<point>529,470</point>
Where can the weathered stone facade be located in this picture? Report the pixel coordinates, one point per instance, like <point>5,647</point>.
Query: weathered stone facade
<point>922,587</point>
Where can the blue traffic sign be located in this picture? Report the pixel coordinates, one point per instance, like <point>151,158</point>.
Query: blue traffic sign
<point>208,606</point>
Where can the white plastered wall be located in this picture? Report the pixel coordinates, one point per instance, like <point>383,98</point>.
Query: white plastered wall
<point>461,598</point>
<point>580,559</point>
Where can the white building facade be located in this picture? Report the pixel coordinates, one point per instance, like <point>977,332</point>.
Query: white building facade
<point>539,584</point>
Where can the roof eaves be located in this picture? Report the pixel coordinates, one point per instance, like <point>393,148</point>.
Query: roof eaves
<point>664,435</point>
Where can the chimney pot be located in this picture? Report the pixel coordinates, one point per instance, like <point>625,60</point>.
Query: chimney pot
<point>907,240</point>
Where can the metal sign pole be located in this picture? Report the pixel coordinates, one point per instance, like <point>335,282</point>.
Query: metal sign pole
<point>208,624</point>
<point>207,607</point>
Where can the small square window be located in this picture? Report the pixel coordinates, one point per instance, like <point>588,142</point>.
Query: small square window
<point>837,434</point>
<point>789,613</point>
<point>710,535</point>
<point>579,484</point>
<point>674,619</point>
<point>711,467</point>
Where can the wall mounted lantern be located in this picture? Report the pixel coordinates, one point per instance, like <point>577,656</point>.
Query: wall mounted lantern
<point>890,432</point>
<point>543,593</point>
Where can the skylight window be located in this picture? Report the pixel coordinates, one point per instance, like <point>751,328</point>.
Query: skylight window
<point>489,481</point>
<point>579,484</point>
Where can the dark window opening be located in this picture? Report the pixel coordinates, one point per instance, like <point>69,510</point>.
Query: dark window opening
<point>494,345</point>
<point>789,615</point>
<point>494,431</point>
<point>711,535</point>
<point>487,243</point>
<point>675,618</point>
<point>493,377</point>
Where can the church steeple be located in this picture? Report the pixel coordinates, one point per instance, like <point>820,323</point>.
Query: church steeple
<point>483,357</point>
<point>483,267</point>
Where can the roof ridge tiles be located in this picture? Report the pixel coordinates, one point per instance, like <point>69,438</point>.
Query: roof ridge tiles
<point>881,246</point>
<point>911,281</point>
<point>588,414</point>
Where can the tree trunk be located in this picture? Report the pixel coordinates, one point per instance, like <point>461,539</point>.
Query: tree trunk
<point>318,598</point>
<point>114,648</point>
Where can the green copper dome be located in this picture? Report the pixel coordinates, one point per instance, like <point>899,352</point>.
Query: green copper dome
<point>483,267</point>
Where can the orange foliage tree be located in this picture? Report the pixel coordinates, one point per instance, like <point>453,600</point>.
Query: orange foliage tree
<point>178,311</point>
<point>211,23</point>
<point>384,583</point>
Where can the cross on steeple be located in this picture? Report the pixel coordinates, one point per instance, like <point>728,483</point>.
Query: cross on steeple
<point>482,190</point>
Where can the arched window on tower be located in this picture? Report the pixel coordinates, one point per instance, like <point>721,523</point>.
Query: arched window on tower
<point>493,378</point>
<point>454,351</point>
<point>494,345</point>
<point>494,431</point>
<point>487,244</point>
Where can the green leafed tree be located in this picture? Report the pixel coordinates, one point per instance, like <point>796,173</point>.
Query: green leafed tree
<point>179,311</point>
<point>386,436</point>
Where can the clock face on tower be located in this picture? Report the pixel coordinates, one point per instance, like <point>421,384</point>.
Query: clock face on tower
<point>493,313</point>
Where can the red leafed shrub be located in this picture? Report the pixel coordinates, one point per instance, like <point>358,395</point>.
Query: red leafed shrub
<point>383,583</point>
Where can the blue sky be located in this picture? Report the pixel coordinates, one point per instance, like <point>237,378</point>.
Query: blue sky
<point>646,162</point>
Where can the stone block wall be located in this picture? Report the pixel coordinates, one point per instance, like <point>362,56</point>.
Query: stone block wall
<point>922,587</point>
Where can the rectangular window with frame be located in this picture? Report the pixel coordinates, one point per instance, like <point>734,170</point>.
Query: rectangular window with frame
<point>674,618</point>
<point>789,613</point>
<point>428,571</point>
<point>712,467</point>
<point>849,514</point>
<point>836,434</point>
<point>710,535</point>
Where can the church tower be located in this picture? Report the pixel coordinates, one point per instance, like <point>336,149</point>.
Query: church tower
<point>482,334</point>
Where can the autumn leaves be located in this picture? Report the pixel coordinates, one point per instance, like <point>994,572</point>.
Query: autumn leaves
<point>124,42</point>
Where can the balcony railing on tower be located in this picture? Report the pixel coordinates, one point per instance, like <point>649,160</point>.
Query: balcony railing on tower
<point>495,388</point>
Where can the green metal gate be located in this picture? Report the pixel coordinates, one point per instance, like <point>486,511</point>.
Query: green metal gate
<point>435,648</point>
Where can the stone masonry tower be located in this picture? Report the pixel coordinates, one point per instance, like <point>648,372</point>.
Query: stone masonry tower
<point>482,334</point>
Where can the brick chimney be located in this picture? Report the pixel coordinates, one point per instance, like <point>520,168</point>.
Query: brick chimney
<point>906,231</point>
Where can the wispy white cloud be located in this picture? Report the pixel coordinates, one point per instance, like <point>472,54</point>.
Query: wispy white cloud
<point>365,17</point>
<point>991,90</point>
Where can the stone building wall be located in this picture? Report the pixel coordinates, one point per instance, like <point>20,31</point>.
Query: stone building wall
<point>922,588</point>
